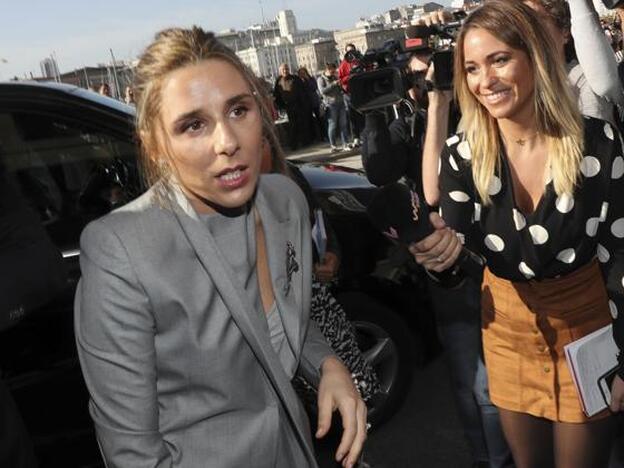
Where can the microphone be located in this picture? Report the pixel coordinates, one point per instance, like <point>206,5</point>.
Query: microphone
<point>401,215</point>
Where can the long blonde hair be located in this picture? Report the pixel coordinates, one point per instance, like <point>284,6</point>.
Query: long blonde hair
<point>557,116</point>
<point>171,50</point>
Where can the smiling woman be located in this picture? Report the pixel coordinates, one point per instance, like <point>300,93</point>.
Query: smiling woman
<point>539,197</point>
<point>192,312</point>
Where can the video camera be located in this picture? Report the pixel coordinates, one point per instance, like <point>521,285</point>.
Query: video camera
<point>611,4</point>
<point>381,78</point>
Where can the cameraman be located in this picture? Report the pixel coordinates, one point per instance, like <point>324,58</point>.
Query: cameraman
<point>350,62</point>
<point>410,147</point>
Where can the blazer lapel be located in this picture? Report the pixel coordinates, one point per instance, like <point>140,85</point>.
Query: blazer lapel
<point>240,307</point>
<point>283,237</point>
<point>223,279</point>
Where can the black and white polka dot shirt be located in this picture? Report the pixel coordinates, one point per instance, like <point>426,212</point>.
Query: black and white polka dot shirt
<point>562,234</point>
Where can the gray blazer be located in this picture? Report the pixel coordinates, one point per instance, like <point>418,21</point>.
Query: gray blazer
<point>178,363</point>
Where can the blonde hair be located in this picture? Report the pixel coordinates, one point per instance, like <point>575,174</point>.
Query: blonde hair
<point>556,112</point>
<point>171,50</point>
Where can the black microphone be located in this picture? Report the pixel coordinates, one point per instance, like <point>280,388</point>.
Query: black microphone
<point>401,215</point>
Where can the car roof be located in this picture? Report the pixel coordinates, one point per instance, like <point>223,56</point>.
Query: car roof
<point>50,87</point>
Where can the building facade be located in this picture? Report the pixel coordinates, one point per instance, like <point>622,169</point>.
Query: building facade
<point>49,68</point>
<point>432,6</point>
<point>287,23</point>
<point>265,60</point>
<point>391,16</point>
<point>235,40</point>
<point>314,55</point>
<point>364,39</point>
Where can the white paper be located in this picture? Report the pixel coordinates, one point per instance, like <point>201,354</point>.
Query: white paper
<point>589,358</point>
<point>319,234</point>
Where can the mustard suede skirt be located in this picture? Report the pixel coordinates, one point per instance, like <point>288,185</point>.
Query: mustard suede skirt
<point>525,327</point>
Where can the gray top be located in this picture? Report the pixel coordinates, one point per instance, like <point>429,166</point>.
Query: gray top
<point>594,53</point>
<point>330,89</point>
<point>279,341</point>
<point>235,236</point>
<point>589,103</point>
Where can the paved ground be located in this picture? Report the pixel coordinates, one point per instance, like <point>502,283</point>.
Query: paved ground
<point>425,432</point>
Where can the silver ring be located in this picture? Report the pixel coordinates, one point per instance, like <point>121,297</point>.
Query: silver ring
<point>368,426</point>
<point>440,259</point>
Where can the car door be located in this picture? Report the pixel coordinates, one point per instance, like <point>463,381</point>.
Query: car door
<point>63,163</point>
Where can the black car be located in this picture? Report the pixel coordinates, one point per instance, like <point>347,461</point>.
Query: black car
<point>68,156</point>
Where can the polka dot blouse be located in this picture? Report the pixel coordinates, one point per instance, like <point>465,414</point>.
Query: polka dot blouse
<point>562,234</point>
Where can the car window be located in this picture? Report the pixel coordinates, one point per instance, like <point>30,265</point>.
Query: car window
<point>32,272</point>
<point>68,172</point>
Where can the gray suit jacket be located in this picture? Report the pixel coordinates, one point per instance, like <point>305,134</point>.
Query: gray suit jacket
<point>178,362</point>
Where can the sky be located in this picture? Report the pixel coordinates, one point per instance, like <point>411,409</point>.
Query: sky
<point>81,33</point>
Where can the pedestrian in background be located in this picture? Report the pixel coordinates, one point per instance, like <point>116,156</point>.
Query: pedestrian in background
<point>317,126</point>
<point>350,61</point>
<point>291,97</point>
<point>104,90</point>
<point>129,96</point>
<point>335,107</point>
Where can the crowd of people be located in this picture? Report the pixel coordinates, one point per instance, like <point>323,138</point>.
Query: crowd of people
<point>203,300</point>
<point>317,108</point>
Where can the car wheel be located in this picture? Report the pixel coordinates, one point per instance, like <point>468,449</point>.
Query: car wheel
<point>388,346</point>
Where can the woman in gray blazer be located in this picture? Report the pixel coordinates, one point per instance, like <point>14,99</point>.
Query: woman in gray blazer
<point>191,315</point>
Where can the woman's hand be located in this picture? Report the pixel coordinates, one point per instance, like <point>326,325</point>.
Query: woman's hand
<point>617,395</point>
<point>337,392</point>
<point>439,250</point>
<point>326,269</point>
<point>440,99</point>
<point>435,17</point>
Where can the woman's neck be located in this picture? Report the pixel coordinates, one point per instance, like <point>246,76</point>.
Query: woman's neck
<point>203,206</point>
<point>518,134</point>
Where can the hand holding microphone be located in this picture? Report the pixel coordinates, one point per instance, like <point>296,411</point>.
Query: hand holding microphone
<point>440,249</point>
<point>399,214</point>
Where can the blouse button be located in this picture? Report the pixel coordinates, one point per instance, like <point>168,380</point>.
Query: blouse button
<point>546,369</point>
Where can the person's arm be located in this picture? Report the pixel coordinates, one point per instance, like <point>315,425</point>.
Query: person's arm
<point>435,136</point>
<point>327,87</point>
<point>277,94</point>
<point>315,351</point>
<point>438,251</point>
<point>115,339</point>
<point>612,261</point>
<point>326,268</point>
<point>385,149</point>
<point>336,392</point>
<point>594,52</point>
<point>344,74</point>
<point>323,369</point>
